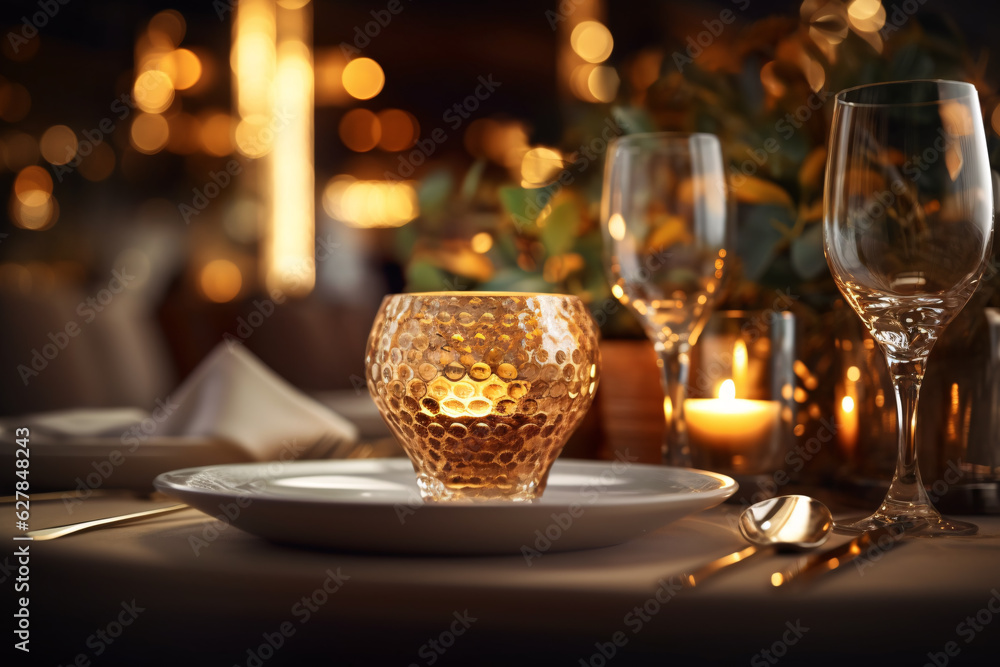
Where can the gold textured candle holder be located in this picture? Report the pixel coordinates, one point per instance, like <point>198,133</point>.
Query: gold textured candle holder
<point>482,389</point>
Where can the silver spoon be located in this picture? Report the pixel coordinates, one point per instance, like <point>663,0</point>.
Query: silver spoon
<point>785,523</point>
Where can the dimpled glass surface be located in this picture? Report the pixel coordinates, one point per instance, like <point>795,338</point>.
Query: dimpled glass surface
<point>482,389</point>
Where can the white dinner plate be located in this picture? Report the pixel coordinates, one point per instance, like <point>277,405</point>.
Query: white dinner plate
<point>374,505</point>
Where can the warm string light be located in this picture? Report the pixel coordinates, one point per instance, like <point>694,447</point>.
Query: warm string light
<point>273,80</point>
<point>163,70</point>
<point>585,44</point>
<point>288,259</point>
<point>372,204</point>
<point>253,56</point>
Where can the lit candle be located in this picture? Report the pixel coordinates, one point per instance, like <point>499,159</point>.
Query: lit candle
<point>740,366</point>
<point>729,429</point>
<point>847,432</point>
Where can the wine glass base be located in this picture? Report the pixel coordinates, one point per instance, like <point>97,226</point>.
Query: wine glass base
<point>930,525</point>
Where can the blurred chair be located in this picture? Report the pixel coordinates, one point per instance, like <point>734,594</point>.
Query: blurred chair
<point>117,359</point>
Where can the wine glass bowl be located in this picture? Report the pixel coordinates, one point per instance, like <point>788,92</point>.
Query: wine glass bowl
<point>908,226</point>
<point>667,237</point>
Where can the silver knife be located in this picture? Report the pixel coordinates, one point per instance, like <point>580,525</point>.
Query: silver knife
<point>871,542</point>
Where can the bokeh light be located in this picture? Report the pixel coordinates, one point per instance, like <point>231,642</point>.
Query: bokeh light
<point>150,133</point>
<point>183,68</point>
<point>360,130</point>
<point>482,242</point>
<point>616,227</point>
<point>254,136</point>
<point>602,82</point>
<point>363,78</point>
<point>540,166</point>
<point>166,29</point>
<point>863,9</point>
<point>866,15</point>
<point>370,204</point>
<point>503,142</point>
<point>579,82</point>
<point>34,209</point>
<point>216,133</point>
<point>592,41</point>
<point>220,280</point>
<point>153,91</point>
<point>329,67</point>
<point>334,192</point>
<point>399,130</point>
<point>59,144</point>
<point>33,186</point>
<point>995,119</point>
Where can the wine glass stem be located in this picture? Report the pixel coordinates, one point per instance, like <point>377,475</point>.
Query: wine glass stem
<point>674,362</point>
<point>906,492</point>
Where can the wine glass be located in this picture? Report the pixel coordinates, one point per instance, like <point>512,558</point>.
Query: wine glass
<point>908,225</point>
<point>668,241</point>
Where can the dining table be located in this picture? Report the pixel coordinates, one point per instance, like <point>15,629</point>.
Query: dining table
<point>187,588</point>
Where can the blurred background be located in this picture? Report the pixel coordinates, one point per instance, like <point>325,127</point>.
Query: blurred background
<point>175,174</point>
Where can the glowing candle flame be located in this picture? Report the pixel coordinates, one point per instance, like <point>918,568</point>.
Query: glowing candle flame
<point>727,391</point>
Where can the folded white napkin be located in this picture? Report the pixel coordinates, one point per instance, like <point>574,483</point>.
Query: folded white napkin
<point>234,396</point>
<point>231,396</point>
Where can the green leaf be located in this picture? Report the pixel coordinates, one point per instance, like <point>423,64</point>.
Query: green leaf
<point>525,205</point>
<point>911,62</point>
<point>422,276</point>
<point>472,178</point>
<point>758,237</point>
<point>807,253</point>
<point>404,241</point>
<point>633,119</point>
<point>505,247</point>
<point>434,191</point>
<point>560,228</point>
<point>781,275</point>
<point>516,280</point>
